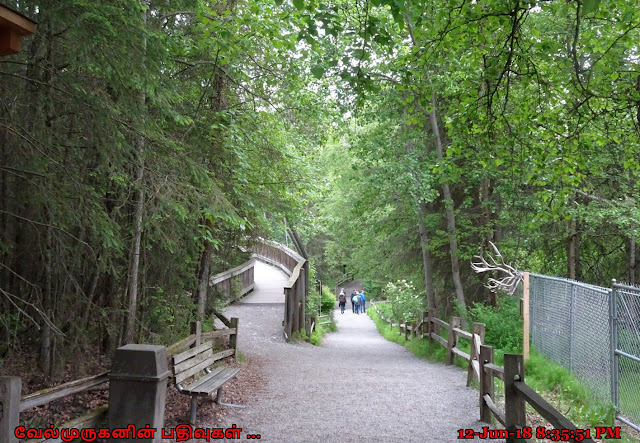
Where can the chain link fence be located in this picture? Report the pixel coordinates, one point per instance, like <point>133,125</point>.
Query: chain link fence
<point>626,361</point>
<point>569,323</point>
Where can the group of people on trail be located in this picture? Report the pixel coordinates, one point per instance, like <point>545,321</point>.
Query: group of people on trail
<point>358,301</point>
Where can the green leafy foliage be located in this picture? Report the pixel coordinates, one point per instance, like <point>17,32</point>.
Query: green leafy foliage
<point>406,304</point>
<point>503,324</point>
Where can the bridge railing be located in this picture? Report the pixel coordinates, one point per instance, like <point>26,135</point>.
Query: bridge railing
<point>234,283</point>
<point>295,290</point>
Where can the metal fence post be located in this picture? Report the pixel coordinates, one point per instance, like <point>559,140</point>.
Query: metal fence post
<point>613,327</point>
<point>572,314</point>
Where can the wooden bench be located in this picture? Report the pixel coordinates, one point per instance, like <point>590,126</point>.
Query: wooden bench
<point>197,362</point>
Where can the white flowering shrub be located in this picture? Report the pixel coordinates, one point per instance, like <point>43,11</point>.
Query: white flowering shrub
<point>407,304</point>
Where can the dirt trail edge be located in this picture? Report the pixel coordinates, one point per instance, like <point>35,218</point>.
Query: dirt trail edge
<point>356,387</point>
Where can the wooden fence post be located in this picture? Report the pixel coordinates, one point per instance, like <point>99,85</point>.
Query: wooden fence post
<point>514,402</point>
<point>10,391</point>
<point>525,316</point>
<point>406,330</point>
<point>233,338</point>
<point>431,328</point>
<point>478,331</point>
<point>486,382</point>
<point>414,329</point>
<point>452,339</point>
<point>425,323</point>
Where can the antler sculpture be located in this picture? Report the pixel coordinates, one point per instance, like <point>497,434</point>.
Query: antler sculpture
<point>508,284</point>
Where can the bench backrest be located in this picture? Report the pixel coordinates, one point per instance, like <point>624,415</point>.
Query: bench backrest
<point>194,360</point>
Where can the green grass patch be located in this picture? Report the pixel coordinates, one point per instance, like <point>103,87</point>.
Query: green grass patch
<point>321,331</point>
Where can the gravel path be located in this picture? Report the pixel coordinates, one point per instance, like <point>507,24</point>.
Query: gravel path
<point>356,387</point>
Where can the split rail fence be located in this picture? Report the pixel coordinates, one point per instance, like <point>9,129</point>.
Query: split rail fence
<point>482,368</point>
<point>12,403</point>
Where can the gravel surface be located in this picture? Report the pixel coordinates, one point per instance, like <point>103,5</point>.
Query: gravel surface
<point>356,387</point>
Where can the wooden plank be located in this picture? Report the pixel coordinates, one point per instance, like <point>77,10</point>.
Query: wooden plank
<point>219,333</point>
<point>195,369</point>
<point>178,358</point>
<point>439,339</point>
<point>476,368</point>
<point>195,360</point>
<point>215,382</point>
<point>494,409</point>
<point>90,420</point>
<point>486,382</point>
<point>222,318</point>
<point>498,371</point>
<point>18,23</point>
<point>57,392</point>
<point>525,316</point>
<point>461,354</point>
<point>543,407</point>
<point>222,354</point>
<point>231,272</point>
<point>185,342</point>
<point>437,321</point>
<point>477,343</point>
<point>196,383</point>
<point>462,333</point>
<point>233,338</point>
<point>452,340</point>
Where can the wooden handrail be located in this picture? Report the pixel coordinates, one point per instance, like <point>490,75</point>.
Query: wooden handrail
<point>48,395</point>
<point>231,272</point>
<point>463,334</point>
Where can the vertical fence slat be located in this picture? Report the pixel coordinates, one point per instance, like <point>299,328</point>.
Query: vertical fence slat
<point>452,339</point>
<point>486,382</point>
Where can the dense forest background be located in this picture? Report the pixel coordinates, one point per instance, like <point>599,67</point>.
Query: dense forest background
<point>144,142</point>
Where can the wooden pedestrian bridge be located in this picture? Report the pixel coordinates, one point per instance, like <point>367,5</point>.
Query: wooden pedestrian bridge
<point>356,386</point>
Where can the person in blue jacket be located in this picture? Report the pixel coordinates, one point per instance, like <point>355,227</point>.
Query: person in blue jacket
<point>355,301</point>
<point>363,303</point>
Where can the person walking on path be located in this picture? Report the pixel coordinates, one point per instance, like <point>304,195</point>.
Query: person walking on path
<point>353,305</point>
<point>342,300</point>
<point>355,302</point>
<point>363,302</point>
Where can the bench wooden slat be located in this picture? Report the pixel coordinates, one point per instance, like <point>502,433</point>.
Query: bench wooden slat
<point>178,358</point>
<point>213,383</point>
<point>193,361</point>
<point>204,364</point>
<point>194,369</point>
<point>198,382</point>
